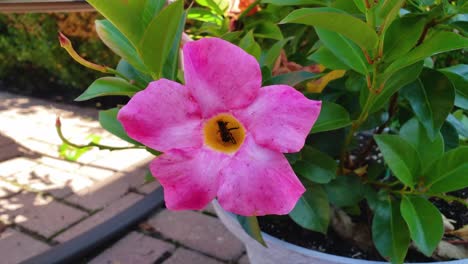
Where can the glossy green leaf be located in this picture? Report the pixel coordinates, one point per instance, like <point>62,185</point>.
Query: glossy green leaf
<point>325,57</point>
<point>268,30</point>
<point>347,52</point>
<point>424,222</point>
<point>119,12</point>
<point>458,75</point>
<point>249,44</point>
<point>251,227</point>
<point>273,53</point>
<point>133,74</point>
<point>315,166</point>
<point>390,232</point>
<point>332,116</point>
<point>461,128</point>
<point>201,14</point>
<point>312,211</point>
<point>428,150</point>
<point>218,6</point>
<point>294,2</point>
<point>360,4</point>
<point>397,81</point>
<point>402,36</point>
<point>449,173</point>
<point>346,190</point>
<point>108,120</point>
<point>400,156</point>
<point>431,98</point>
<point>151,9</point>
<point>118,43</point>
<point>336,21</point>
<point>159,36</point>
<point>450,135</point>
<point>171,65</point>
<point>440,41</point>
<point>292,78</point>
<point>106,86</point>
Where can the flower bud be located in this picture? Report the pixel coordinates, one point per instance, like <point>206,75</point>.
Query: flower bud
<point>67,45</point>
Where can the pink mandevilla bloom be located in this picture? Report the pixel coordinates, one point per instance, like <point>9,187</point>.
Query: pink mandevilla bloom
<point>222,134</point>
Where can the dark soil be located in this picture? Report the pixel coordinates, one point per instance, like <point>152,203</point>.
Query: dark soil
<point>285,229</point>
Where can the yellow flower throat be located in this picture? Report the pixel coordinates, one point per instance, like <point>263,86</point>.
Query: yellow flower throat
<point>224,133</point>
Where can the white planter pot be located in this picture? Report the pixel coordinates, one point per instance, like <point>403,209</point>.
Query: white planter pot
<point>280,252</point>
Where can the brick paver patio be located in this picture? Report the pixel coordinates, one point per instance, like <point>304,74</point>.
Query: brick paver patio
<point>46,200</point>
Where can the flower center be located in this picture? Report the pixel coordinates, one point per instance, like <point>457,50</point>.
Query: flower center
<point>224,133</point>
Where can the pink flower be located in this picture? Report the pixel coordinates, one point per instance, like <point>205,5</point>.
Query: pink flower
<point>222,136</point>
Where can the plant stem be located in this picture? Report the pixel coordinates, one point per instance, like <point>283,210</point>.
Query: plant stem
<point>58,127</point>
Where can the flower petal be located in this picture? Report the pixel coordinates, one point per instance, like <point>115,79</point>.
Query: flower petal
<point>189,177</point>
<point>280,118</point>
<point>258,181</point>
<point>163,117</point>
<point>220,75</point>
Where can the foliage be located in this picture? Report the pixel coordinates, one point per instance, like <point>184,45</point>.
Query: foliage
<point>393,85</point>
<point>28,44</point>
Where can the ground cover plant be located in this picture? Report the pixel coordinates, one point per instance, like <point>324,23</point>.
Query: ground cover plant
<point>355,93</point>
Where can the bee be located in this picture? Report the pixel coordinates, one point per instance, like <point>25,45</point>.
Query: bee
<point>226,135</point>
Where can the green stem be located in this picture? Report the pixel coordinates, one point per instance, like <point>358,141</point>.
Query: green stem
<point>58,127</point>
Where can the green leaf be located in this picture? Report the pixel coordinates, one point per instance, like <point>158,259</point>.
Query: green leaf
<point>268,30</point>
<point>428,150</point>
<point>171,65</point>
<point>389,231</point>
<point>347,52</point>
<point>294,2</point>
<point>346,190</point>
<point>360,4</point>
<point>450,172</point>
<point>332,116</point>
<point>312,211</point>
<point>119,44</point>
<point>251,227</point>
<point>400,156</point>
<point>424,223</point>
<point>158,38</point>
<point>315,166</point>
<point>201,14</point>
<point>218,6</point>
<point>461,128</point>
<point>249,44</point>
<point>131,73</point>
<point>397,81</point>
<point>108,120</point>
<point>450,134</point>
<point>292,78</point>
<point>439,41</point>
<point>106,86</point>
<point>273,53</point>
<point>119,12</point>
<point>458,75</point>
<point>151,9</point>
<point>431,98</point>
<point>402,36</point>
<point>337,21</point>
<point>325,57</point>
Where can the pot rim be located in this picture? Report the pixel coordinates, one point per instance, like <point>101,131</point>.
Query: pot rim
<point>269,239</point>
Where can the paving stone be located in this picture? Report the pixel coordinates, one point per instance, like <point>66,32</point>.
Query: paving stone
<point>58,183</point>
<point>124,159</point>
<point>95,173</point>
<point>17,247</point>
<point>209,209</point>
<point>59,164</point>
<point>201,232</point>
<point>244,260</point>
<point>16,165</point>
<point>41,147</point>
<point>103,193</point>
<point>10,151</point>
<point>7,189</point>
<point>134,248</point>
<point>182,256</point>
<point>100,217</point>
<point>149,187</point>
<point>42,215</point>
